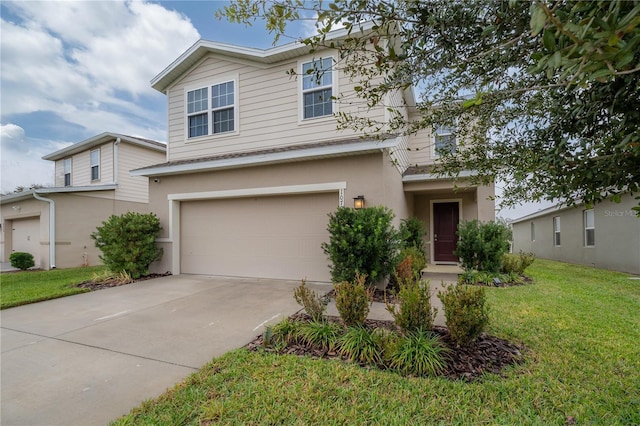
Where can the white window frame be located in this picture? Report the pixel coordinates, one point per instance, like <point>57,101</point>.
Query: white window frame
<point>333,86</point>
<point>210,110</point>
<point>585,220</point>
<point>436,132</point>
<point>97,164</point>
<point>557,236</point>
<point>67,171</point>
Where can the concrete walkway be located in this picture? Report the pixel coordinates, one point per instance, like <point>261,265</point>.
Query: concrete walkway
<point>89,358</point>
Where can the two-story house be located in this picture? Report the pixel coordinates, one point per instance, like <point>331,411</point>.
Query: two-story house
<point>255,164</point>
<point>92,182</point>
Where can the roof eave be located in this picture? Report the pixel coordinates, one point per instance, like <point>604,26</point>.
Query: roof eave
<point>270,158</point>
<point>99,140</point>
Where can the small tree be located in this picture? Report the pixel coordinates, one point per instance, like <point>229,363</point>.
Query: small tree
<point>482,245</point>
<point>128,242</point>
<point>361,241</point>
<point>21,260</point>
<point>411,232</point>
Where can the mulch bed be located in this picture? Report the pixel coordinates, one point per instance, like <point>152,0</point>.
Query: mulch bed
<point>488,354</point>
<point>117,283</point>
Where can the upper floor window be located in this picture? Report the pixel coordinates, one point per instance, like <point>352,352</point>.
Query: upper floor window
<point>203,120</point>
<point>67,171</point>
<point>556,231</point>
<point>317,88</point>
<point>589,228</point>
<point>445,140</point>
<point>95,164</point>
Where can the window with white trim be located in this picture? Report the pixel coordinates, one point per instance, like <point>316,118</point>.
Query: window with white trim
<point>589,228</point>
<point>556,231</point>
<point>445,140</point>
<point>203,120</point>
<point>67,171</point>
<point>317,88</point>
<point>95,164</point>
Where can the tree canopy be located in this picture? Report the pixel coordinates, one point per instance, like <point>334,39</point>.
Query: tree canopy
<point>545,95</point>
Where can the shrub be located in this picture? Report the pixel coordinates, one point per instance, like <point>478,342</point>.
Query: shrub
<point>320,334</point>
<point>21,260</point>
<point>482,245</point>
<point>411,233</point>
<point>284,333</point>
<point>414,311</point>
<point>353,300</point>
<point>362,345</point>
<point>465,311</point>
<point>111,277</point>
<point>311,301</point>
<point>512,263</point>
<point>419,353</point>
<point>128,242</point>
<point>410,265</point>
<point>361,241</point>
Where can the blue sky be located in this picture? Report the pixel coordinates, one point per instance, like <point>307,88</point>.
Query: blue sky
<point>73,69</point>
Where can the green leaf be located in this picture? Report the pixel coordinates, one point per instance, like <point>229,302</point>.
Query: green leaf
<point>538,19</point>
<point>549,40</point>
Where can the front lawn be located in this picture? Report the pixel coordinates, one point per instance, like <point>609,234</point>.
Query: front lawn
<point>21,288</point>
<point>581,326</point>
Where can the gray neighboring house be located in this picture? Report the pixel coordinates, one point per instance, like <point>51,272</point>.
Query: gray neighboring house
<point>605,236</point>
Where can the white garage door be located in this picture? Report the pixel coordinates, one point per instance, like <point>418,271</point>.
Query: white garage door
<point>25,237</point>
<point>263,237</point>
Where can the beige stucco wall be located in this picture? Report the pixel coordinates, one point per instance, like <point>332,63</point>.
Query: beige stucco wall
<point>617,237</point>
<point>370,175</point>
<point>77,216</point>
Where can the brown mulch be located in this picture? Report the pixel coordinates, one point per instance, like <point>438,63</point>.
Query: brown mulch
<point>117,283</point>
<point>488,354</point>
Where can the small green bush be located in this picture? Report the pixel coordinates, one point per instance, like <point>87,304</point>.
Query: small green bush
<point>284,333</point>
<point>419,353</point>
<point>321,334</point>
<point>314,304</point>
<point>362,345</point>
<point>465,311</point>
<point>512,263</point>
<point>353,300</point>
<point>411,232</point>
<point>128,242</point>
<point>21,260</point>
<point>414,312</point>
<point>361,241</point>
<point>482,245</point>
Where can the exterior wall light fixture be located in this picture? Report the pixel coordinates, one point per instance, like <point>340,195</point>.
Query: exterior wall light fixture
<point>358,202</point>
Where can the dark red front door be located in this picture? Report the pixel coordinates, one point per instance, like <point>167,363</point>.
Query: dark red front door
<point>445,225</point>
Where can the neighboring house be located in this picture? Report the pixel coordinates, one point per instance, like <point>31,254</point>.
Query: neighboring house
<point>255,164</point>
<point>92,182</point>
<point>605,236</point>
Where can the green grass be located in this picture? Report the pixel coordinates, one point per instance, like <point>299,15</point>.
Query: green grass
<point>21,288</point>
<point>581,325</point>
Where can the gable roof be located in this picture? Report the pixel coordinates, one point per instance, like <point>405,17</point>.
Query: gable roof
<point>104,138</point>
<point>202,48</point>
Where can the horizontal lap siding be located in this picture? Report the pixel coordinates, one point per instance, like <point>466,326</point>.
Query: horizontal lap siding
<point>135,188</point>
<point>268,111</point>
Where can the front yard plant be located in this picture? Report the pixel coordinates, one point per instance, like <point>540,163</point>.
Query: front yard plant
<point>353,300</point>
<point>128,242</point>
<point>21,260</point>
<point>314,304</point>
<point>361,241</point>
<point>414,311</point>
<point>466,312</point>
<point>482,245</point>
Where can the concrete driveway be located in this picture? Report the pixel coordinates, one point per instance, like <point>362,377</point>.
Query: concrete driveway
<point>89,358</point>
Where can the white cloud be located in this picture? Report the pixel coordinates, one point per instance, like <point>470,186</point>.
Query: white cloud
<point>88,63</point>
<point>20,159</point>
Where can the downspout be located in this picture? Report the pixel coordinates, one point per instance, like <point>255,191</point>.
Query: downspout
<point>115,160</point>
<point>52,228</point>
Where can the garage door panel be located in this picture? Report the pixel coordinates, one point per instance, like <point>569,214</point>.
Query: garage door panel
<point>271,237</point>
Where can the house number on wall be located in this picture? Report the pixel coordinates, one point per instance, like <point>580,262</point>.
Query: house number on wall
<point>341,197</point>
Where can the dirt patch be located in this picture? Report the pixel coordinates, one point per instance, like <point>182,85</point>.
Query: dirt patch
<point>117,283</point>
<point>488,354</point>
